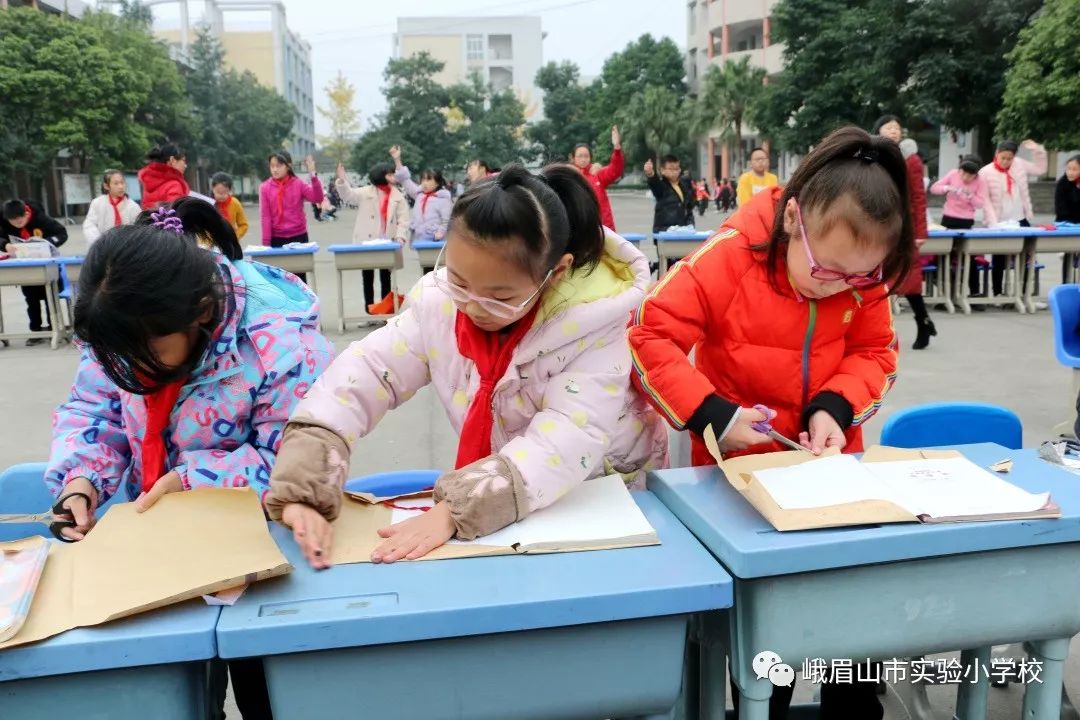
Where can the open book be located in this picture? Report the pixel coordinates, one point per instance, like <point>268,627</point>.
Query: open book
<point>599,514</point>
<point>797,491</point>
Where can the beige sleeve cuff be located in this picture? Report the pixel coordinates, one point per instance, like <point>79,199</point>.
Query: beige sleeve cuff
<point>484,497</point>
<point>311,468</point>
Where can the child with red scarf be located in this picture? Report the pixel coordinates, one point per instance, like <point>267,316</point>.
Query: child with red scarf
<point>26,220</point>
<point>522,334</point>
<point>382,213</point>
<point>110,209</point>
<point>431,201</point>
<point>227,204</point>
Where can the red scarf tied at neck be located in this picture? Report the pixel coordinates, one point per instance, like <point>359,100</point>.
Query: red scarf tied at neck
<point>223,207</point>
<point>115,202</point>
<point>423,201</point>
<point>1008,177</point>
<point>281,183</point>
<point>159,406</point>
<point>24,231</point>
<point>492,354</point>
<point>384,206</point>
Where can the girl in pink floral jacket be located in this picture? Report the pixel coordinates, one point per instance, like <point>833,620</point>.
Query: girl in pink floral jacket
<point>523,334</point>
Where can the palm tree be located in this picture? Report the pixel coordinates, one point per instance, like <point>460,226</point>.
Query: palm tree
<point>655,119</point>
<point>729,92</point>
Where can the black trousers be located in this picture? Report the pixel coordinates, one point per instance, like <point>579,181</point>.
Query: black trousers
<point>249,688</point>
<point>35,298</point>
<point>839,701</point>
<point>953,223</point>
<point>369,285</point>
<point>276,242</point>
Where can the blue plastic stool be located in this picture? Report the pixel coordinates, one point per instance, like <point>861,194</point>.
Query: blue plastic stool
<point>953,424</point>
<point>1064,301</point>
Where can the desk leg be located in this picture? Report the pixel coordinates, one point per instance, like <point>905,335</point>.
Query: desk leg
<point>972,698</point>
<point>1042,700</point>
<point>1018,282</point>
<point>51,294</point>
<point>340,303</point>
<point>944,263</point>
<point>965,271</point>
<point>713,671</point>
<point>1029,282</point>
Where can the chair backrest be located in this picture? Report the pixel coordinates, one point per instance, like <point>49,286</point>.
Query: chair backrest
<point>953,424</point>
<point>1064,303</point>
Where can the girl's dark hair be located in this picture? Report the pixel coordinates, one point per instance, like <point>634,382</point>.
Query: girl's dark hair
<point>883,121</point>
<point>868,172</point>
<point>1073,159</point>
<point>432,174</point>
<point>200,220</point>
<point>164,152</point>
<point>970,164</point>
<point>283,157</point>
<point>139,283</point>
<point>14,209</point>
<point>221,178</point>
<point>545,215</point>
<point>377,174</point>
<point>107,176</point>
<point>1008,146</point>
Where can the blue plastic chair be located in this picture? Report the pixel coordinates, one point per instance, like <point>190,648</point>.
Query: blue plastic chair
<point>1064,303</point>
<point>953,424</point>
<point>22,490</point>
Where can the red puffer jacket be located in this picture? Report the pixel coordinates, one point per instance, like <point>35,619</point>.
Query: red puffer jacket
<point>755,340</point>
<point>161,184</point>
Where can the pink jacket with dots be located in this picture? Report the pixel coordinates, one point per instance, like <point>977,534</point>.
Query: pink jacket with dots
<point>564,411</point>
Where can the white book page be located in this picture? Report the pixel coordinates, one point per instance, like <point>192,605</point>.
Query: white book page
<point>826,481</point>
<point>596,511</point>
<point>952,487</point>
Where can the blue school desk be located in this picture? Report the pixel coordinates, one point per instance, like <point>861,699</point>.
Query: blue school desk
<point>634,238</point>
<point>428,251</point>
<point>152,665</point>
<point>294,260</point>
<point>365,256</point>
<point>893,591</point>
<point>573,635</point>
<point>671,246</point>
<point>44,272</point>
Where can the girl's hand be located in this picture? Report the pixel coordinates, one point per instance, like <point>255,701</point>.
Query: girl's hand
<point>415,537</point>
<point>648,168</point>
<point>79,511</point>
<point>440,234</point>
<point>311,531</point>
<point>742,435</point>
<point>309,163</point>
<point>170,482</point>
<point>341,172</point>
<point>616,138</point>
<point>824,432</point>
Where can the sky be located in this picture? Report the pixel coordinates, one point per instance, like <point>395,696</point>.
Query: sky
<point>356,36</point>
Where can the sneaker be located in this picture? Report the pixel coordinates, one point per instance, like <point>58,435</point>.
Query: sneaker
<point>36,341</point>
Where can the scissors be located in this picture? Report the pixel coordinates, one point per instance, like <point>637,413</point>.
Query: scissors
<point>53,518</point>
<point>765,428</point>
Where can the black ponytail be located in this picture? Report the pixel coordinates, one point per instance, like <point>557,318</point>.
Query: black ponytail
<point>165,152</point>
<point>201,220</point>
<point>549,214</point>
<point>869,171</point>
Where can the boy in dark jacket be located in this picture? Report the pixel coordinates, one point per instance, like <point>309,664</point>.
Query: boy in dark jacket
<point>27,220</point>
<point>673,192</point>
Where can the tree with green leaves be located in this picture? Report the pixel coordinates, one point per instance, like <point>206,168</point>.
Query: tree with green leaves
<point>730,95</point>
<point>259,121</point>
<point>343,117</point>
<point>566,119</point>
<point>211,107</point>
<point>1042,85</point>
<point>645,62</point>
<point>486,124</point>
<point>656,119</point>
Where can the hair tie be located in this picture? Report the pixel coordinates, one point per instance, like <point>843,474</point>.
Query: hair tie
<point>867,155</point>
<point>167,219</point>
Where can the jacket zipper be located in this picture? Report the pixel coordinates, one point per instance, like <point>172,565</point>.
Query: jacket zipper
<point>807,340</point>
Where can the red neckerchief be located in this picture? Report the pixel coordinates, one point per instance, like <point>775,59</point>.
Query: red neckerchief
<point>24,231</point>
<point>159,406</point>
<point>1008,177</point>
<point>281,183</point>
<point>492,358</point>
<point>223,207</point>
<point>384,205</point>
<point>423,201</point>
<point>117,220</point>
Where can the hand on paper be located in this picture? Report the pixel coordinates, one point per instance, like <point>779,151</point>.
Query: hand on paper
<point>824,432</point>
<point>415,537</point>
<point>168,483</point>
<point>79,512</point>
<point>312,532</point>
<point>742,434</point>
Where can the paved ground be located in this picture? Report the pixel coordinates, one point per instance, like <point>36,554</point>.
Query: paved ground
<point>996,356</point>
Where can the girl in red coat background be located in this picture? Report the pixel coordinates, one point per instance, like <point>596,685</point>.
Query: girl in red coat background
<point>162,178</point>
<point>600,177</point>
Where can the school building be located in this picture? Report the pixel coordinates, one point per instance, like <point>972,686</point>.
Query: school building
<point>506,52</point>
<point>718,31</point>
<point>261,42</point>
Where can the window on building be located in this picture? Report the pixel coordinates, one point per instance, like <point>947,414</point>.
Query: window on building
<point>501,78</point>
<point>474,47</point>
<point>693,64</point>
<point>692,16</point>
<point>501,47</point>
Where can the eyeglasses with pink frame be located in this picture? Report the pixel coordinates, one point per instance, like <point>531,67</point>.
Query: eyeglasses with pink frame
<point>858,280</point>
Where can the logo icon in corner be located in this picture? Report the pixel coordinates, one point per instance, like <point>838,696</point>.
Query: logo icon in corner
<point>768,665</point>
